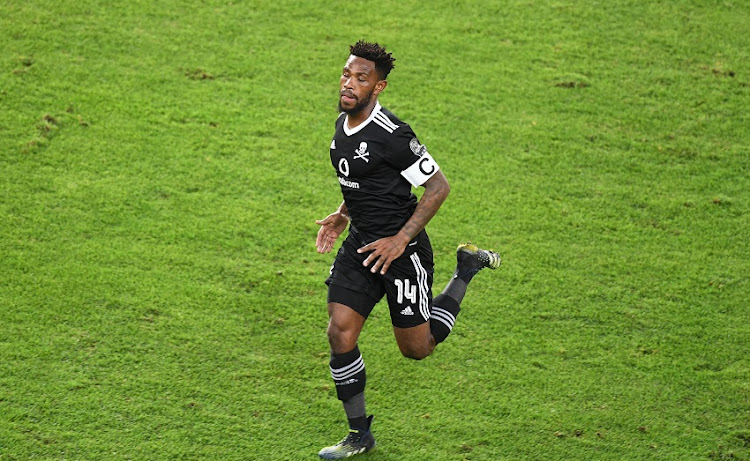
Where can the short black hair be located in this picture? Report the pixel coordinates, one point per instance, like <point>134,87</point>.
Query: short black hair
<point>375,53</point>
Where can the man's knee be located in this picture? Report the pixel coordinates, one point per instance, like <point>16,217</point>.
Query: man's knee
<point>415,342</point>
<point>336,336</point>
<point>416,351</point>
<point>341,338</point>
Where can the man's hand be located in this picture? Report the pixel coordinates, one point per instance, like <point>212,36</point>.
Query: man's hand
<point>384,252</point>
<point>330,228</point>
<point>387,249</point>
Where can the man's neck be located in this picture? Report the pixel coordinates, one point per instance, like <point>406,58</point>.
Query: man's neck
<point>354,120</point>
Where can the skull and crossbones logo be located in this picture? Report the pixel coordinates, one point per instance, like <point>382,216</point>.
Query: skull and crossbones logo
<point>362,152</point>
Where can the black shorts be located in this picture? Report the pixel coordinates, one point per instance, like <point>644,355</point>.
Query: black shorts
<point>407,284</point>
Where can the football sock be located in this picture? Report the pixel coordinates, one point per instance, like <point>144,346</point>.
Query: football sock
<point>445,309</point>
<point>447,305</point>
<point>355,411</point>
<point>456,289</point>
<point>348,372</point>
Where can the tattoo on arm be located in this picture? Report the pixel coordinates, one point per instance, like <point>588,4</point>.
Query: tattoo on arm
<point>436,191</point>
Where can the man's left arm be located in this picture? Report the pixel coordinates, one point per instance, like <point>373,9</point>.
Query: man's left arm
<point>387,249</point>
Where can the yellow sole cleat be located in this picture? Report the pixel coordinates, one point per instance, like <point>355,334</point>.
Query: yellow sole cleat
<point>487,258</point>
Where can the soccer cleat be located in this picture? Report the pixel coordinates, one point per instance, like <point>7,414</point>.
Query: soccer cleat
<point>357,442</point>
<point>472,259</point>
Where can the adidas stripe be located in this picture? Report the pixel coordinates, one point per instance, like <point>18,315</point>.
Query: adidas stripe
<point>343,373</point>
<point>384,122</point>
<point>443,316</point>
<point>424,307</point>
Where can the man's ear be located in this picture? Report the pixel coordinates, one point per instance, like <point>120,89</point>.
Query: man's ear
<point>380,86</point>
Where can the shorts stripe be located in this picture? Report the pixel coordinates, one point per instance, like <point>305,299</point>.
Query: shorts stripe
<point>424,307</point>
<point>340,374</point>
<point>445,317</point>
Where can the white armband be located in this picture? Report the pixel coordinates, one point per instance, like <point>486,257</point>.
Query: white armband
<point>421,170</point>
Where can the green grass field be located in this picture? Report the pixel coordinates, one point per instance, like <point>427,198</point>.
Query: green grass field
<point>162,164</point>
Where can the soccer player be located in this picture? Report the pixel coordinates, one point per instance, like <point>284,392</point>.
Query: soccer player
<point>387,252</point>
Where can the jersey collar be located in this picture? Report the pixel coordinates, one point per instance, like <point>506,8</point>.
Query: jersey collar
<point>350,131</point>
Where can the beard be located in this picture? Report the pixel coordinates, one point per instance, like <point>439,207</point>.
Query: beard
<point>359,107</point>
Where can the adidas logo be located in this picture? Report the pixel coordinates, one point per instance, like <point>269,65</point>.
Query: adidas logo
<point>407,311</point>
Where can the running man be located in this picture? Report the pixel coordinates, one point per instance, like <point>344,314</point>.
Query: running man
<point>387,252</point>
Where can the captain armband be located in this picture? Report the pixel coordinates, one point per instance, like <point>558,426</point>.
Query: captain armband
<point>421,170</point>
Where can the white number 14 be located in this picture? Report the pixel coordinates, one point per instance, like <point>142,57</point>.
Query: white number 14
<point>406,290</point>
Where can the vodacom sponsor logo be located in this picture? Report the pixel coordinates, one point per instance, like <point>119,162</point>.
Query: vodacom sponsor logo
<point>347,183</point>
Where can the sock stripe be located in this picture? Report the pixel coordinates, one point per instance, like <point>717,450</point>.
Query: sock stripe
<point>443,316</point>
<point>346,372</point>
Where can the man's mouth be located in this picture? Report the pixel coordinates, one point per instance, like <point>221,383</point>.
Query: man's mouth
<point>347,97</point>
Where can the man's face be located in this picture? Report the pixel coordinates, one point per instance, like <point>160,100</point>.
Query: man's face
<point>359,82</point>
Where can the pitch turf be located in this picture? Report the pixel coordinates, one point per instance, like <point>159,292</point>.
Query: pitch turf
<point>162,164</point>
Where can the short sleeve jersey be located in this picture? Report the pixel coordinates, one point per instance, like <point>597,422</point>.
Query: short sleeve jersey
<point>377,163</point>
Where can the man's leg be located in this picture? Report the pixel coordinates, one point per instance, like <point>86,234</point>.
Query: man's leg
<point>348,372</point>
<point>347,366</point>
<point>417,342</point>
<point>419,323</point>
<point>470,259</point>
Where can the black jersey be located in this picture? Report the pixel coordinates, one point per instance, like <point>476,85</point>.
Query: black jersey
<point>377,162</point>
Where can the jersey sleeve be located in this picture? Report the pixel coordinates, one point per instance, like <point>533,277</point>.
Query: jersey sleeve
<point>411,157</point>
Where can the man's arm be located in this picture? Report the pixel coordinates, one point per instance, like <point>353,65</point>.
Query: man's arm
<point>385,250</point>
<point>331,227</point>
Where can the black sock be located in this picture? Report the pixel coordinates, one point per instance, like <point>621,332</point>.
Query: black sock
<point>445,309</point>
<point>355,411</point>
<point>348,373</point>
<point>456,289</point>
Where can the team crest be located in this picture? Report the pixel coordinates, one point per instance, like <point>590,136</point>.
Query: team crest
<point>418,149</point>
<point>415,146</point>
<point>362,153</point>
